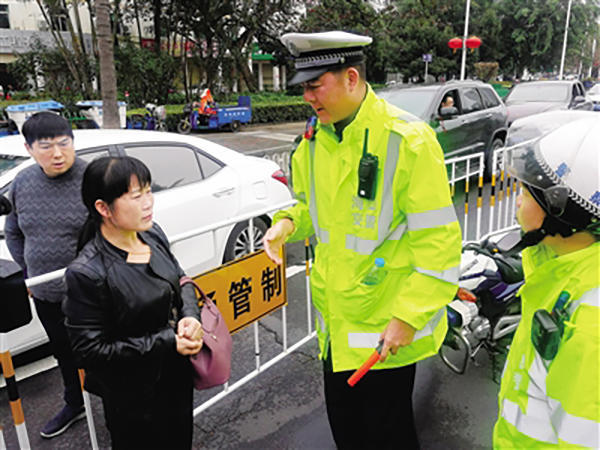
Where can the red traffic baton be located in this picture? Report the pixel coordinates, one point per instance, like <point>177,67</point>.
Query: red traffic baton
<point>360,372</point>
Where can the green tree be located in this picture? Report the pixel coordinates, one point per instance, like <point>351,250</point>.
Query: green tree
<point>359,17</point>
<point>533,32</point>
<point>223,33</point>
<point>145,74</point>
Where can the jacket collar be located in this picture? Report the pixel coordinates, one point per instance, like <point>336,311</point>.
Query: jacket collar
<point>115,252</point>
<point>547,264</point>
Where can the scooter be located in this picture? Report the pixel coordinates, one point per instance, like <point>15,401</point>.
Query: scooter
<point>487,310</point>
<point>154,119</point>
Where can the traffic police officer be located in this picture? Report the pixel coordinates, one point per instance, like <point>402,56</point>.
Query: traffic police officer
<point>371,183</point>
<point>550,391</point>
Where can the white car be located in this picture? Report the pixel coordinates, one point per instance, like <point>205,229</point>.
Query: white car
<point>196,183</point>
<point>593,95</point>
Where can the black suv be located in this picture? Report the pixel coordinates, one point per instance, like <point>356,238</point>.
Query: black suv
<point>468,116</point>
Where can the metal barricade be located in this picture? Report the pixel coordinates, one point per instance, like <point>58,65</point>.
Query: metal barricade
<point>503,207</point>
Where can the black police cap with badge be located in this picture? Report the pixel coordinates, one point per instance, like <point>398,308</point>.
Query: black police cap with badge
<point>317,53</point>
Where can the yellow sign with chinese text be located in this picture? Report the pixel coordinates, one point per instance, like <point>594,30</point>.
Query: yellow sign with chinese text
<point>246,289</point>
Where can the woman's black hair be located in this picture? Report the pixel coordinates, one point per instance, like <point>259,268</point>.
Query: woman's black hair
<point>107,179</point>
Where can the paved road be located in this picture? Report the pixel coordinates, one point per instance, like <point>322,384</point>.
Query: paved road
<point>283,407</point>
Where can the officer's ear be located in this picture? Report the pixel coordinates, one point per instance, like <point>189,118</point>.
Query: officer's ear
<point>353,78</point>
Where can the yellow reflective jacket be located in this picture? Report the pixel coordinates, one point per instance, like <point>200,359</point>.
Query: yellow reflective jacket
<point>549,404</point>
<point>411,223</point>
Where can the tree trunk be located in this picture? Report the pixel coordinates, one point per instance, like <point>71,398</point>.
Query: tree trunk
<point>137,20</point>
<point>108,76</point>
<point>93,28</point>
<point>157,9</point>
<point>80,58</point>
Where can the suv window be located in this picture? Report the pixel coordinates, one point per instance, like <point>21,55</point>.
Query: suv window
<point>453,95</point>
<point>470,100</point>
<point>489,98</point>
<point>170,165</point>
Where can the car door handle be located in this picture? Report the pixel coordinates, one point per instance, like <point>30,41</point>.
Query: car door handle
<point>224,191</point>
<point>487,116</point>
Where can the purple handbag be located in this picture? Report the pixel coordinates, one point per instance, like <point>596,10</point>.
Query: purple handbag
<point>212,365</point>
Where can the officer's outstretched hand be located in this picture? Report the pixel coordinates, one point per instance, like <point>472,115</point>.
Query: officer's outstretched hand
<point>397,334</point>
<point>275,237</point>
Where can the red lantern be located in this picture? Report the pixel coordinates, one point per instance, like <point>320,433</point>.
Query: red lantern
<point>473,42</point>
<point>455,43</point>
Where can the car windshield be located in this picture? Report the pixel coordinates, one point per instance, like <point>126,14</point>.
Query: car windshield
<point>8,162</point>
<point>539,93</point>
<point>595,89</point>
<point>414,101</point>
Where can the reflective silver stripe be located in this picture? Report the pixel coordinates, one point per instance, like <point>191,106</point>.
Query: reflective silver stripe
<point>450,275</point>
<point>430,326</point>
<point>397,233</point>
<point>431,219</point>
<point>359,245</point>
<point>575,430</point>
<point>363,340</point>
<point>545,419</point>
<point>591,297</point>
<point>370,340</point>
<point>321,320</point>
<point>386,213</point>
<point>537,378</point>
<point>533,426</point>
<point>322,235</point>
<point>408,117</point>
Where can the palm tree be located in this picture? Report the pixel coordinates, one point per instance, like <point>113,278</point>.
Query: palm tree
<point>108,77</point>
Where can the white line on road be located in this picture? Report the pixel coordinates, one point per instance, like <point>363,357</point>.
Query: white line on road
<point>274,136</point>
<point>42,365</point>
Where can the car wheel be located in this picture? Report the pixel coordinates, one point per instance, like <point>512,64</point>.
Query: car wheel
<point>488,170</point>
<point>238,243</point>
<point>184,126</point>
<point>235,126</point>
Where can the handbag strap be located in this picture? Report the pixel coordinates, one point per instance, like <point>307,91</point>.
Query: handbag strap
<point>188,280</point>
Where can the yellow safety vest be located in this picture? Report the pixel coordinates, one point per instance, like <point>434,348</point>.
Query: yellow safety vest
<point>554,403</point>
<point>411,223</point>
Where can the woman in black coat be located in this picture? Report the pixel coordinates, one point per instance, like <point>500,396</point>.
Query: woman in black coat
<point>130,324</point>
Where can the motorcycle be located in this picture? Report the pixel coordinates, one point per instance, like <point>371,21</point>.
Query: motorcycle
<point>487,310</point>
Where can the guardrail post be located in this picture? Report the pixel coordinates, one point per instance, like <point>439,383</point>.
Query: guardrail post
<point>13,394</point>
<point>479,196</point>
<point>467,175</point>
<point>88,411</point>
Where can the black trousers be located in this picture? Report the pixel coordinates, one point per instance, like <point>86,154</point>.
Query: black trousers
<point>53,321</point>
<point>376,413</point>
<point>162,420</point>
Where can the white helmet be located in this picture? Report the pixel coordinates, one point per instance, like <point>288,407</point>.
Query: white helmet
<point>561,169</point>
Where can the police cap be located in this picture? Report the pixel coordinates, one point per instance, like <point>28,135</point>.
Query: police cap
<point>317,53</point>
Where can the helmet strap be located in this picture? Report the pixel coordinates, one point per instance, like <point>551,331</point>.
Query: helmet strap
<point>528,239</point>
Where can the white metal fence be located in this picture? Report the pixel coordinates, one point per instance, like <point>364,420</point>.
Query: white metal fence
<point>484,209</point>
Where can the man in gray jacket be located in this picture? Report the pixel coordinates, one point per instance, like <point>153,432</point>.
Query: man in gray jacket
<point>41,235</point>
